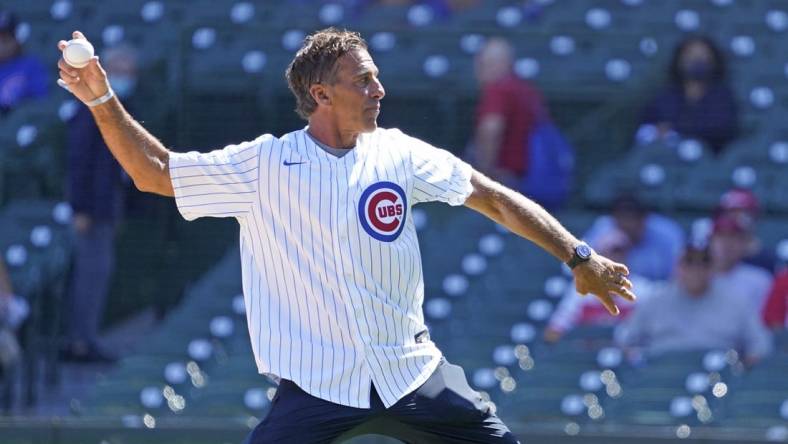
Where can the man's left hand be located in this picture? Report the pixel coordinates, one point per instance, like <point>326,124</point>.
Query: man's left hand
<point>604,278</point>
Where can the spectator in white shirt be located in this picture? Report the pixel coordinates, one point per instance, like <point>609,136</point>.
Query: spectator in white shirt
<point>729,245</point>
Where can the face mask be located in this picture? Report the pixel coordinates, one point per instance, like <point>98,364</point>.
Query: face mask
<point>123,85</point>
<point>698,70</point>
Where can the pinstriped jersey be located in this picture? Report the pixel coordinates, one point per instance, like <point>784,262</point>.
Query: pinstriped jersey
<point>331,265</point>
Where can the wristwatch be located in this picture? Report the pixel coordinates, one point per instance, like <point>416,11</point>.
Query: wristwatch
<point>582,254</point>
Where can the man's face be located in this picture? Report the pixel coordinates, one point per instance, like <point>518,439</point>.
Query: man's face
<point>631,223</point>
<point>694,276</point>
<point>356,93</point>
<point>696,52</point>
<point>728,248</point>
<point>493,62</point>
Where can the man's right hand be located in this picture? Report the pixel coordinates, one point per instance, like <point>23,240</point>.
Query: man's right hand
<point>88,83</point>
<point>602,277</point>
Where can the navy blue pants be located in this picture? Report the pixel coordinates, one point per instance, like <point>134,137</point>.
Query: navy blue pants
<point>93,264</point>
<point>443,410</point>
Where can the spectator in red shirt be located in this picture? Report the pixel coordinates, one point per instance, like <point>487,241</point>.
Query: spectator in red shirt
<point>508,110</point>
<point>775,311</point>
<point>743,205</point>
<point>730,245</point>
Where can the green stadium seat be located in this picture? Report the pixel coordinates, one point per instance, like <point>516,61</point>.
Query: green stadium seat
<point>655,184</point>
<point>704,186</point>
<point>606,185</point>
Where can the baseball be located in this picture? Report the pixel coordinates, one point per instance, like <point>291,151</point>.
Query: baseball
<point>78,52</point>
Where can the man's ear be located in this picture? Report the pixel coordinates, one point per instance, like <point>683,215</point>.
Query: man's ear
<point>320,94</point>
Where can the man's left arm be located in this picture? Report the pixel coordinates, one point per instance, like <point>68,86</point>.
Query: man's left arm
<point>598,275</point>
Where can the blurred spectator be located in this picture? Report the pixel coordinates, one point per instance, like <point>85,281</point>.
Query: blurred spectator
<point>743,205</point>
<point>441,8</point>
<point>21,76</point>
<point>730,242</point>
<point>775,311</point>
<point>698,102</point>
<point>96,194</point>
<point>444,9</point>
<point>13,311</point>
<point>509,110</point>
<point>657,241</point>
<point>575,310</point>
<point>695,313</point>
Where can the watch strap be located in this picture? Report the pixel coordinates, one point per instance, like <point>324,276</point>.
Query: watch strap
<point>576,259</point>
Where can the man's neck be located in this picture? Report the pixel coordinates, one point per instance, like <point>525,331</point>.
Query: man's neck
<point>331,135</point>
<point>725,268</point>
<point>697,293</point>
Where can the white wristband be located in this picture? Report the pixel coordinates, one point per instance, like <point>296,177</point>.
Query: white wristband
<point>103,99</point>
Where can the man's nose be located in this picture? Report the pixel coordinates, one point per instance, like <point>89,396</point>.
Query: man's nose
<point>377,91</point>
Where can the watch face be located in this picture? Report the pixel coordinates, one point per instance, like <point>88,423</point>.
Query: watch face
<point>584,251</point>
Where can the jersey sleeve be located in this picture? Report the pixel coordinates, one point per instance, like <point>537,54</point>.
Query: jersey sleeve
<point>438,175</point>
<point>222,183</point>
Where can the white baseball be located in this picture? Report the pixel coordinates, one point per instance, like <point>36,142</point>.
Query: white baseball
<point>78,52</point>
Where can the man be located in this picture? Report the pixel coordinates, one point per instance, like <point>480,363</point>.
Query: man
<point>21,77</point>
<point>730,244</point>
<point>515,142</point>
<point>330,262</point>
<point>508,111</point>
<point>695,313</point>
<point>743,205</point>
<point>96,194</point>
<point>657,240</point>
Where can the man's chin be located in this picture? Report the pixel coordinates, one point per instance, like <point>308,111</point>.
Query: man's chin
<point>371,126</point>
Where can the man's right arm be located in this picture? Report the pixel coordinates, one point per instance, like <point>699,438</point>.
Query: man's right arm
<point>143,157</point>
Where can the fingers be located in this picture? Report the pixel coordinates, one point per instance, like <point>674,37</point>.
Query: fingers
<point>68,78</point>
<point>63,85</point>
<point>607,301</point>
<point>77,35</point>
<point>61,45</point>
<point>93,63</point>
<point>67,73</point>
<point>625,293</point>
<point>623,281</point>
<point>620,268</point>
<point>66,84</point>
<point>624,290</point>
<point>68,69</point>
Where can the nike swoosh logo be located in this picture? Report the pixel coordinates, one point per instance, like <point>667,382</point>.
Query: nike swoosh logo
<point>287,164</point>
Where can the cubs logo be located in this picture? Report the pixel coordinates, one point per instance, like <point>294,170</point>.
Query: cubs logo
<point>382,210</point>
